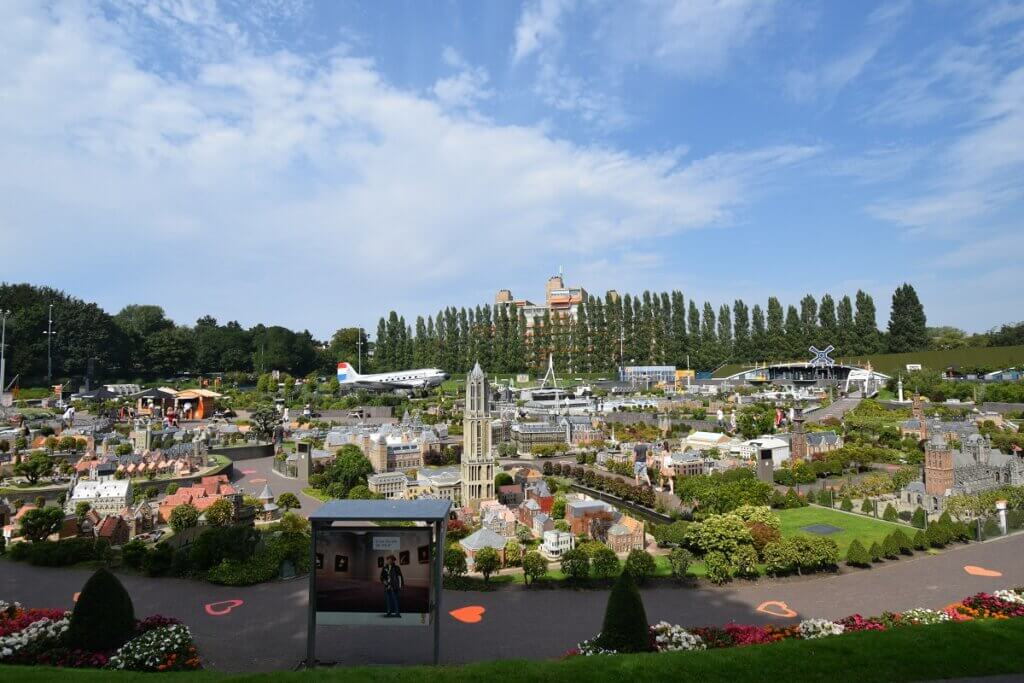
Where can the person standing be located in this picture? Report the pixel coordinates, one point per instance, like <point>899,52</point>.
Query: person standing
<point>391,577</point>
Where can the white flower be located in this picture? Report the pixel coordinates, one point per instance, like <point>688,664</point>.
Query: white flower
<point>819,628</point>
<point>925,617</point>
<point>36,633</point>
<point>671,638</point>
<point>1014,596</point>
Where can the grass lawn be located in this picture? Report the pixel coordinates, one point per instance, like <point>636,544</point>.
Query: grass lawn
<point>867,529</point>
<point>906,654</point>
<point>316,493</point>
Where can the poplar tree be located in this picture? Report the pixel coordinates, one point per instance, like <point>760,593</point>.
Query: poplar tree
<point>725,350</point>
<point>795,342</point>
<point>908,329</point>
<point>827,321</point>
<point>740,331</point>
<point>708,339</point>
<point>695,341</point>
<point>864,324</point>
<point>775,342</point>
<point>758,335</point>
<point>846,331</point>
<point>680,344</point>
<point>809,319</point>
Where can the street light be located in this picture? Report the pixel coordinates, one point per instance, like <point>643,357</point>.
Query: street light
<point>49,347</point>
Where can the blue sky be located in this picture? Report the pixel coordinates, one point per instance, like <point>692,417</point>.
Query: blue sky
<point>316,164</point>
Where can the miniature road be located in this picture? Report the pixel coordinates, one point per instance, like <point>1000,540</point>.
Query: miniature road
<point>836,409</point>
<point>263,628</point>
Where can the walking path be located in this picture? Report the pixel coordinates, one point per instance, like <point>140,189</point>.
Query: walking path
<point>263,628</point>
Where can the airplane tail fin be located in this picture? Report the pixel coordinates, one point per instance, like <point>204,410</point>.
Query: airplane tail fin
<point>346,373</point>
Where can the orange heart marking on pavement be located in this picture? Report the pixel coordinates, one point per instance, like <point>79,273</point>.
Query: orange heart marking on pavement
<point>981,571</point>
<point>219,609</point>
<point>472,614</point>
<point>776,608</point>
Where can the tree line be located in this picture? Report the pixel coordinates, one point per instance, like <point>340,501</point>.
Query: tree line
<point>648,329</point>
<point>664,328</point>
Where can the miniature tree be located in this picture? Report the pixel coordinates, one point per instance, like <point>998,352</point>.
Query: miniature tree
<point>534,567</point>
<point>920,519</point>
<point>605,562</point>
<point>220,513</point>
<point>857,556</point>
<point>288,501</point>
<point>513,553</point>
<point>846,505</point>
<point>625,627</point>
<point>890,514</point>
<point>890,547</point>
<point>104,618</point>
<point>906,546</point>
<point>679,560</point>
<point>641,565</point>
<point>487,561</point>
<point>867,506</point>
<point>576,564</point>
<point>184,517</point>
<point>875,552</point>
<point>920,541</point>
<point>455,561</point>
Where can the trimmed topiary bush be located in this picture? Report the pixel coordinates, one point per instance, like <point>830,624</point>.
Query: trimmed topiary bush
<point>903,541</point>
<point>857,555</point>
<point>920,541</point>
<point>875,552</point>
<point>890,514</point>
<point>846,505</point>
<point>605,563</point>
<point>890,547</point>
<point>920,518</point>
<point>625,627</point>
<point>937,535</point>
<point>104,618</point>
<point>867,506</point>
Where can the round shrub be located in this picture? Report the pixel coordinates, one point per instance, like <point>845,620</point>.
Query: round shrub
<point>744,562</point>
<point>104,618</point>
<point>780,558</point>
<point>762,534</point>
<point>625,627</point>
<point>679,560</point>
<point>857,555</point>
<point>605,563</point>
<point>576,564</point>
<point>640,565</point>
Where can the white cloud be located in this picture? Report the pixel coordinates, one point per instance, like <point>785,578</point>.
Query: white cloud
<point>465,88</point>
<point>538,24</point>
<point>302,190</point>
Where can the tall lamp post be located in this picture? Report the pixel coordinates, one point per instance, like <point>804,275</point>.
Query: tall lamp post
<point>49,347</point>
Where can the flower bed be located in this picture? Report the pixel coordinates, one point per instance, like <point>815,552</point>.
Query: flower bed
<point>38,637</point>
<point>666,637</point>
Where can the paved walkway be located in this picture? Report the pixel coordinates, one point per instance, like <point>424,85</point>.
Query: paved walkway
<point>836,409</point>
<point>263,628</point>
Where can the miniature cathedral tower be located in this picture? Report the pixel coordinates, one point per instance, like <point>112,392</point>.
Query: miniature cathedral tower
<point>477,462</point>
<point>798,441</point>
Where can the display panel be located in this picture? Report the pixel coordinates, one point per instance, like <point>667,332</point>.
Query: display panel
<point>373,575</point>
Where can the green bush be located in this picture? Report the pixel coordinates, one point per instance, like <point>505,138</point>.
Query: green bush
<point>216,544</point>
<point>890,514</point>
<point>61,553</point>
<point>625,627</point>
<point>779,558</point>
<point>920,541</point>
<point>920,518</point>
<point>875,551</point>
<point>103,618</point>
<point>455,561</point>
<point>159,560</point>
<point>133,553</point>
<point>265,564</point>
<point>857,556</point>
<point>938,534</point>
<point>640,565</point>
<point>991,529</point>
<point>903,541</point>
<point>744,562</point>
<point>679,561</point>
<point>801,554</point>
<point>890,547</point>
<point>846,505</point>
<point>604,562</point>
<point>576,564</point>
<point>719,569</point>
<point>534,567</point>
<point>867,506</point>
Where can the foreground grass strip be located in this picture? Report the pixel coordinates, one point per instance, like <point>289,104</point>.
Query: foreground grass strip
<point>906,654</point>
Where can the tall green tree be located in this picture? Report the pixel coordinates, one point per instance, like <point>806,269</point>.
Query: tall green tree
<point>696,342</point>
<point>724,334</point>
<point>908,326</point>
<point>827,320</point>
<point>846,329</point>
<point>809,319</point>
<point>865,326</point>
<point>710,351</point>
<point>759,350</point>
<point>680,343</point>
<point>796,343</point>
<point>776,336</point>
<point>741,331</point>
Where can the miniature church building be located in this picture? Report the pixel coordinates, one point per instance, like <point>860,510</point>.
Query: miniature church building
<point>477,459</point>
